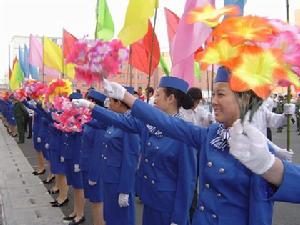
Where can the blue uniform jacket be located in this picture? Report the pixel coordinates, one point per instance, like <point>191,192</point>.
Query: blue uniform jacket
<point>167,169</point>
<point>91,150</point>
<point>230,194</point>
<point>120,156</point>
<point>71,145</point>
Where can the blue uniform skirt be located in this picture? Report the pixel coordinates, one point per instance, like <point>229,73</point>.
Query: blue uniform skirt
<point>113,213</point>
<point>37,146</point>
<point>152,216</point>
<point>57,167</point>
<point>73,179</point>
<point>94,193</point>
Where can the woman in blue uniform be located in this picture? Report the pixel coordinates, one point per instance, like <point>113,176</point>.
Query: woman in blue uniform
<point>71,145</point>
<point>91,161</point>
<point>230,193</point>
<point>120,157</point>
<point>167,169</point>
<point>12,124</point>
<point>38,111</point>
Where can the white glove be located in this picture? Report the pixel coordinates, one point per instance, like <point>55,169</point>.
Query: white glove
<point>249,146</point>
<point>76,168</point>
<point>39,140</point>
<point>113,90</point>
<point>123,200</point>
<point>289,109</point>
<point>92,183</point>
<point>81,103</point>
<point>47,146</point>
<point>283,154</point>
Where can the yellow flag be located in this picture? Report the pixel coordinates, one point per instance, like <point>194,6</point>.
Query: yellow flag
<point>53,57</point>
<point>136,20</point>
<point>17,76</point>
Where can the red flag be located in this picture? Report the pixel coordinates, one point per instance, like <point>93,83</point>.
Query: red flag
<point>172,24</point>
<point>68,42</point>
<point>141,52</point>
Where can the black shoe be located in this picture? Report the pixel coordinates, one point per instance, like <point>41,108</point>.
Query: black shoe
<point>52,192</point>
<point>29,137</point>
<point>53,202</point>
<point>49,181</point>
<point>57,204</point>
<point>20,142</point>
<point>35,173</point>
<point>69,218</point>
<point>81,220</point>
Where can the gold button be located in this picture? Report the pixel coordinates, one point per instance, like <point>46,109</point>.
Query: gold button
<point>207,185</point>
<point>209,164</point>
<point>152,164</point>
<point>214,216</point>
<point>153,182</point>
<point>149,143</point>
<point>201,208</point>
<point>219,195</point>
<point>146,160</point>
<point>145,177</point>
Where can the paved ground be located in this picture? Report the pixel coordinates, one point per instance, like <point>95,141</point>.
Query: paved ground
<point>26,202</point>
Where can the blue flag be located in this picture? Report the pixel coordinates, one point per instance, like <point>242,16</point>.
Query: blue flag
<point>30,70</point>
<point>239,3</point>
<point>21,60</point>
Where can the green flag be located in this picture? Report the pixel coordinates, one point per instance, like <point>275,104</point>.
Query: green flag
<point>105,25</point>
<point>164,66</point>
<point>17,76</point>
<point>197,71</point>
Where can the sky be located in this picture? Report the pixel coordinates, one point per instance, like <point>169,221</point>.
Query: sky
<point>49,17</point>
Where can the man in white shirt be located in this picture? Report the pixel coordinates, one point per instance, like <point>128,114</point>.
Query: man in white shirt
<point>197,114</point>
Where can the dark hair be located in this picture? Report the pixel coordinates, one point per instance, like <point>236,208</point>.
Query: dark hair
<point>195,93</point>
<point>78,91</point>
<point>150,90</point>
<point>123,103</point>
<point>182,99</point>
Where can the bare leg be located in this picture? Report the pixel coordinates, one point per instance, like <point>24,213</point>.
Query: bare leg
<point>79,202</point>
<point>97,213</point>
<point>63,187</point>
<point>41,162</point>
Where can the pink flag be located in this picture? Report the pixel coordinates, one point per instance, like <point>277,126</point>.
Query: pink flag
<point>188,38</point>
<point>36,57</point>
<point>35,52</point>
<point>172,24</point>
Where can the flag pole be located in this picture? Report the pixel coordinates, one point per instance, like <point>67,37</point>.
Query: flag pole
<point>8,62</point>
<point>43,68</point>
<point>63,62</point>
<point>288,140</point>
<point>151,53</point>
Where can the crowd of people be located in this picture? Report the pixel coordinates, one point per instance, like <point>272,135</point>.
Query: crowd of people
<point>166,148</point>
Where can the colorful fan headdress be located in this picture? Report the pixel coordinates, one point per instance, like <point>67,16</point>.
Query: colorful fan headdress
<point>260,53</point>
<point>58,87</point>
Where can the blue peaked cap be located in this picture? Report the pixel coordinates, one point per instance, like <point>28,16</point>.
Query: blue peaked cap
<point>174,82</point>
<point>222,75</point>
<point>75,95</point>
<point>130,89</point>
<point>96,95</point>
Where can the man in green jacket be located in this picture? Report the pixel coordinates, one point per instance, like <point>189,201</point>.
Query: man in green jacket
<point>20,115</point>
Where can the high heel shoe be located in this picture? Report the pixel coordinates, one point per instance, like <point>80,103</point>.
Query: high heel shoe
<point>81,220</point>
<point>52,192</point>
<point>49,181</point>
<point>57,204</point>
<point>35,173</point>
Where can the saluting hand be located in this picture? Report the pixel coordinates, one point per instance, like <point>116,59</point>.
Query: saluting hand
<point>81,103</point>
<point>113,90</point>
